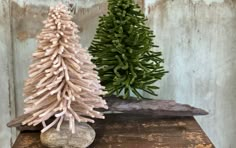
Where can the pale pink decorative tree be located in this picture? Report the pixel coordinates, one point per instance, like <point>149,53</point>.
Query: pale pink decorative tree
<point>62,81</point>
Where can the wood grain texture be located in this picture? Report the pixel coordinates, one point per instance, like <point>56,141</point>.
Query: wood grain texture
<point>7,103</point>
<point>131,131</point>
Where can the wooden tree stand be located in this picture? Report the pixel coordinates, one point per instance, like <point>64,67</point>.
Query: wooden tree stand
<point>132,131</point>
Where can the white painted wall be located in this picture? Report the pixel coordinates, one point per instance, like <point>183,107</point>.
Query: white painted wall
<point>197,37</point>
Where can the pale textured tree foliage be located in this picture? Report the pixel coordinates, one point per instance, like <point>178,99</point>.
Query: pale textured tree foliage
<point>62,81</point>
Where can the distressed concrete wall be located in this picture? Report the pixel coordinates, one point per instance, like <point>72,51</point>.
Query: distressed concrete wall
<point>197,38</point>
<point>7,103</point>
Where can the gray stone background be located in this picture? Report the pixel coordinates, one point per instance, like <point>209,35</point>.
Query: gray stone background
<point>197,38</point>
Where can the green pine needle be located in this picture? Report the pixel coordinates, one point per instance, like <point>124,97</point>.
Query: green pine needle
<point>122,51</point>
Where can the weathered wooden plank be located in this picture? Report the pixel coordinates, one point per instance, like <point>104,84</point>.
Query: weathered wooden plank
<point>141,131</point>
<point>132,131</point>
<point>28,140</point>
<point>6,82</point>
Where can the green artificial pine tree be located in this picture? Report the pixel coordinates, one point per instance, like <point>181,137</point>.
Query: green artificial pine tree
<point>122,50</point>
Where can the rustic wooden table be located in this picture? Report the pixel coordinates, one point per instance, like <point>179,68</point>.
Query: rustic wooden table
<point>130,131</point>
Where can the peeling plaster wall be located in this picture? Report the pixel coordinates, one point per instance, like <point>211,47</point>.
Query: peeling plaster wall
<point>7,102</point>
<point>208,2</point>
<point>197,38</point>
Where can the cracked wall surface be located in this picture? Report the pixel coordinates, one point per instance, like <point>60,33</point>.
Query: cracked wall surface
<point>198,42</point>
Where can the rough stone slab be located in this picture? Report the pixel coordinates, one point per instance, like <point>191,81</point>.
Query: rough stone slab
<point>153,108</point>
<point>17,121</point>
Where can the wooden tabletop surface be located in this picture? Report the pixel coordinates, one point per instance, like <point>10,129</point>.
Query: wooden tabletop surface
<point>130,131</point>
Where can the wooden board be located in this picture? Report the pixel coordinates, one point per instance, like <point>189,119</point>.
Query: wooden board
<point>130,131</point>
